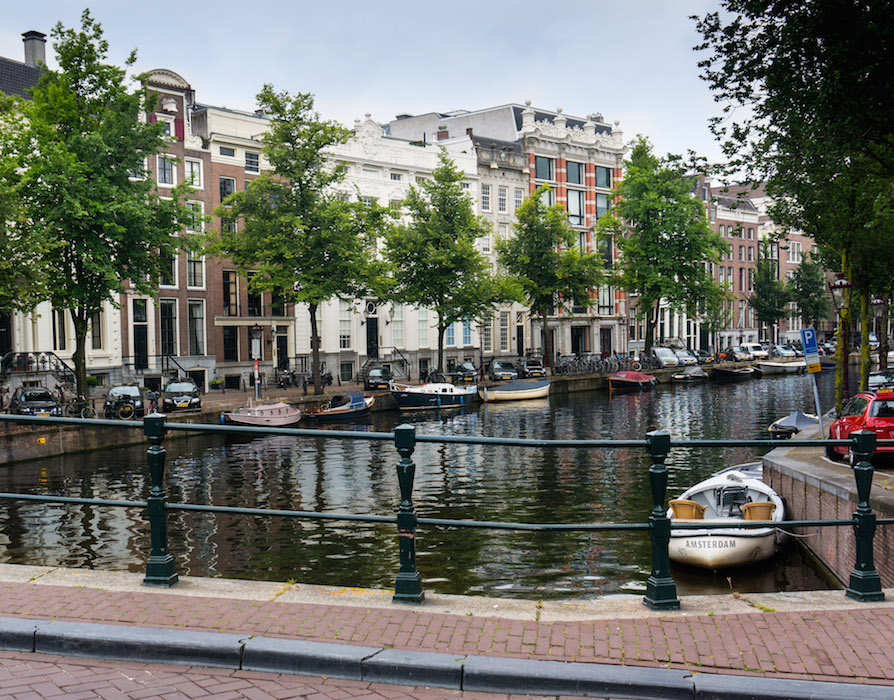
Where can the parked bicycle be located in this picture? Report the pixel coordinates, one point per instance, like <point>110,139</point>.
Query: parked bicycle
<point>80,408</point>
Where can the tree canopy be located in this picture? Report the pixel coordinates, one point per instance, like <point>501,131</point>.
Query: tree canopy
<point>79,144</point>
<point>544,258</point>
<point>300,237</point>
<point>433,259</point>
<point>663,237</point>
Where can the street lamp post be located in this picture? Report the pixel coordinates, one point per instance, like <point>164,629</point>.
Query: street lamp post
<point>256,333</point>
<point>841,296</point>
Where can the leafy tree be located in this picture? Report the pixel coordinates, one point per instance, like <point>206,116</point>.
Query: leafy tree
<point>433,260</point>
<point>544,259</point>
<point>808,286</point>
<point>300,237</point>
<point>79,144</point>
<point>668,239</point>
<point>770,297</point>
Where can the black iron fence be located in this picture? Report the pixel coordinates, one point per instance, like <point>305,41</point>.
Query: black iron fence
<point>661,592</point>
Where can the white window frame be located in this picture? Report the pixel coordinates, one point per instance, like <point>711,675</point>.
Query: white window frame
<point>502,199</point>
<point>167,157</point>
<point>485,197</point>
<point>200,260</point>
<point>199,182</point>
<point>519,197</point>
<point>189,319</point>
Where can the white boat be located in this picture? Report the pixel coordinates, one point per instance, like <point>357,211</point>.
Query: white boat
<point>793,367</point>
<point>267,414</point>
<point>519,390</point>
<point>730,496</point>
<point>433,395</point>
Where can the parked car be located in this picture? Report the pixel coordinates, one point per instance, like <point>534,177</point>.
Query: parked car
<point>782,352</point>
<point>665,357</point>
<point>464,373</point>
<point>34,401</point>
<point>867,410</point>
<point>124,402</point>
<point>501,370</point>
<point>704,357</point>
<point>758,352</point>
<point>377,378</point>
<point>739,354</point>
<point>181,395</point>
<point>685,357</point>
<point>531,368</point>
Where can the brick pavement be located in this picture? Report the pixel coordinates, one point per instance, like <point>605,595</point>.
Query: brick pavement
<point>853,644</point>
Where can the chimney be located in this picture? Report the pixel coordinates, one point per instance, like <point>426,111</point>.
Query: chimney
<point>443,133</point>
<point>35,47</point>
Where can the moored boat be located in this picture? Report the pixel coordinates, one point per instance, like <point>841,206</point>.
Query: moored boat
<point>630,380</point>
<point>432,395</point>
<point>341,407</point>
<point>266,414</point>
<point>519,390</point>
<point>793,423</point>
<point>690,374</point>
<point>732,374</point>
<point>771,367</point>
<point>731,496</point>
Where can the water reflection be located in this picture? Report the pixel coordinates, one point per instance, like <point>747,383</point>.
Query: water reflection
<point>453,481</point>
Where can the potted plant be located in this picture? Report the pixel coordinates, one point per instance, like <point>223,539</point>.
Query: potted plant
<point>215,385</point>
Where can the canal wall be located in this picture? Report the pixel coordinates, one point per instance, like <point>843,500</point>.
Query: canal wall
<point>814,488</point>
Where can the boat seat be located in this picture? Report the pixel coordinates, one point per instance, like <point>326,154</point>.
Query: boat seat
<point>730,500</point>
<point>759,510</point>
<point>687,510</point>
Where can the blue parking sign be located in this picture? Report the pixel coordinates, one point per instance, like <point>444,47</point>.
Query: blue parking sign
<point>811,350</point>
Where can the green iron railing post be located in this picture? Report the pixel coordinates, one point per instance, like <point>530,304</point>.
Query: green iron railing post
<point>160,566</point>
<point>865,583</point>
<point>661,591</point>
<point>408,587</point>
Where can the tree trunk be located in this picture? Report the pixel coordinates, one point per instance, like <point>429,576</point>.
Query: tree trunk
<point>79,357</point>
<point>549,353</point>
<point>864,341</point>
<point>442,328</point>
<point>883,335</point>
<point>315,349</point>
<point>651,323</point>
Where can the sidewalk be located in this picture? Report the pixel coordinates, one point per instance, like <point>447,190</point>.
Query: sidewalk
<point>813,644</point>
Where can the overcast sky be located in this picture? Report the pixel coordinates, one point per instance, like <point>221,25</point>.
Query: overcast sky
<point>631,60</point>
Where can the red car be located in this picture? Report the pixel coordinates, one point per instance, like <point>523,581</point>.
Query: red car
<point>865,411</point>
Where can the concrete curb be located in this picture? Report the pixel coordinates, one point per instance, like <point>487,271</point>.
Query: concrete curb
<point>395,666</point>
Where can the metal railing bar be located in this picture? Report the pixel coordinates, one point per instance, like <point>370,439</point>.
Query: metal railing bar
<point>309,515</point>
<point>72,499</point>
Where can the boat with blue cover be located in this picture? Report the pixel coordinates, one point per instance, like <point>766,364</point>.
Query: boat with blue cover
<point>342,407</point>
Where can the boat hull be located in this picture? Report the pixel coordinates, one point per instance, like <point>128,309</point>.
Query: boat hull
<point>436,395</point>
<point>515,391</point>
<point>265,416</point>
<point>781,367</point>
<point>721,549</point>
<point>722,374</point>
<point>630,381</point>
<point>341,413</point>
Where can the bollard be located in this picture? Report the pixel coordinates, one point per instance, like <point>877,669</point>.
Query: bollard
<point>865,583</point>
<point>160,566</point>
<point>408,587</point>
<point>661,592</point>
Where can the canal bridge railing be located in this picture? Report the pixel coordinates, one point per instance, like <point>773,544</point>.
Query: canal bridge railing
<point>661,592</point>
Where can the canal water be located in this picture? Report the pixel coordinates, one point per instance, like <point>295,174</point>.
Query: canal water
<point>567,485</point>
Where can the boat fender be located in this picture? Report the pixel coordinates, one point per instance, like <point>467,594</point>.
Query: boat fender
<point>223,418</point>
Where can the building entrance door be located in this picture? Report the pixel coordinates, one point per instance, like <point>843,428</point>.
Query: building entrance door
<point>282,352</point>
<point>605,341</point>
<point>372,336</point>
<point>579,339</point>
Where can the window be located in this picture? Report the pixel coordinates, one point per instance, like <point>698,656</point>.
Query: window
<point>487,339</point>
<point>224,151</point>
<point>485,197</point>
<point>721,272</point>
<point>227,224</point>
<point>165,171</point>
<point>501,199</point>
<point>255,302</point>
<point>794,252</point>
<point>605,301</point>
<point>574,172</point>
<point>230,293</point>
<point>464,185</point>
<point>252,162</point>
<point>722,230</point>
<point>751,253</point>
<point>397,177</point>
<point>576,207</point>
<point>519,197</point>
<point>504,331</point>
<point>467,333</point>
<point>422,328</point>
<point>397,326</point>
<point>230,344</point>
<point>450,336</point>
<point>603,177</point>
<point>543,168</point>
<point>368,201</point>
<point>139,311</point>
<point>345,313</point>
<point>96,330</point>
<point>167,314</point>
<point>193,173</point>
<point>602,205</point>
<point>485,243</point>
<point>711,215</point>
<point>502,231</point>
<point>750,234</point>
<point>198,214</point>
<point>548,197</point>
<point>196,327</point>
<point>750,279</point>
<point>419,179</point>
<point>277,303</point>
<point>741,279</point>
<point>195,269</point>
<point>227,187</point>
<point>741,252</point>
<point>168,276</point>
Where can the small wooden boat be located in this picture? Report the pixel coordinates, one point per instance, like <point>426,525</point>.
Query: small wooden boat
<point>732,374</point>
<point>732,495</point>
<point>793,423</point>
<point>690,374</point>
<point>630,380</point>
<point>519,390</point>
<point>770,367</point>
<point>342,407</point>
<point>265,415</point>
<point>432,395</point>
